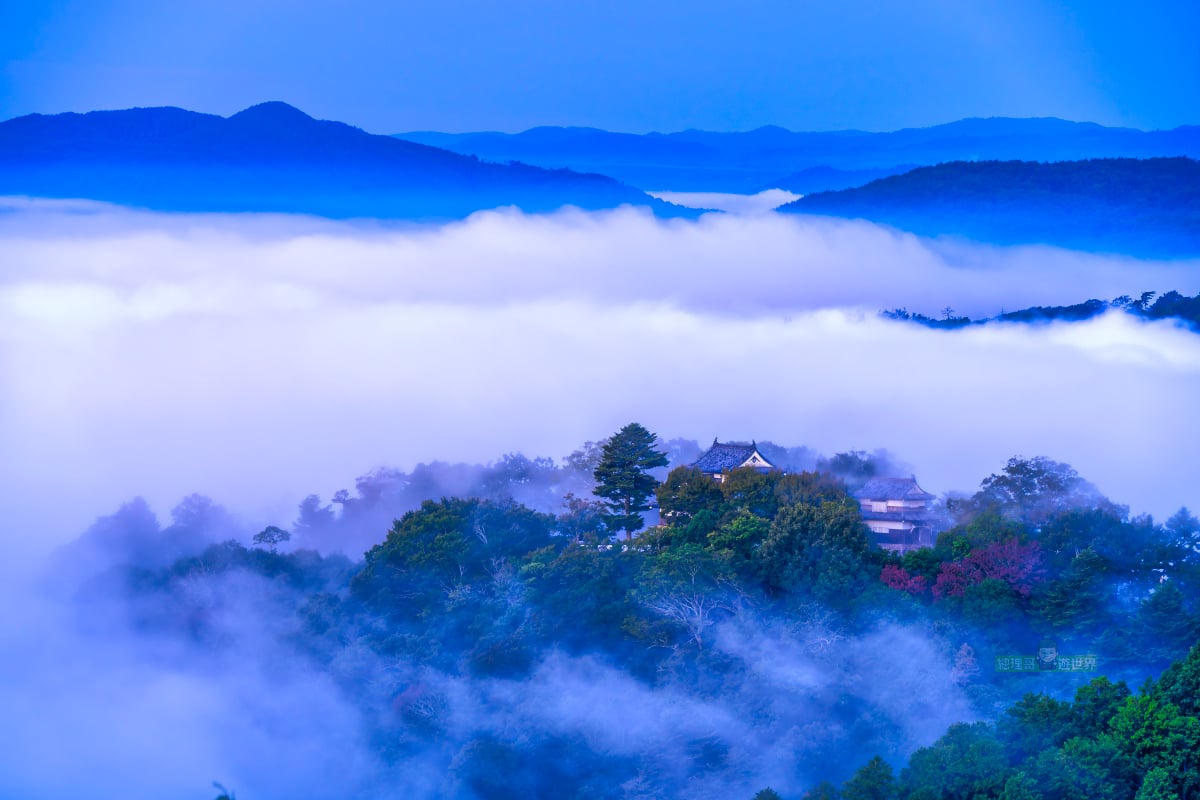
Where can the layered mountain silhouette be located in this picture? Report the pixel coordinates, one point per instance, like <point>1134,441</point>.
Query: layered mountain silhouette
<point>770,157</point>
<point>273,157</point>
<point>830,179</point>
<point>1147,207</point>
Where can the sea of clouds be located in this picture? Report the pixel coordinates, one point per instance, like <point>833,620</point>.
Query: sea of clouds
<point>256,359</point>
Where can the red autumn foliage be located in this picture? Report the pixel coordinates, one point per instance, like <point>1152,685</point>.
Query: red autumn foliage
<point>898,578</point>
<point>1015,564</point>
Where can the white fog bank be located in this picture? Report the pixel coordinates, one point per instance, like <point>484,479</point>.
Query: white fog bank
<point>258,359</point>
<point>743,204</point>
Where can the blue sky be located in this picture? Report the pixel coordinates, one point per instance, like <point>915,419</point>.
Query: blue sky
<point>471,65</point>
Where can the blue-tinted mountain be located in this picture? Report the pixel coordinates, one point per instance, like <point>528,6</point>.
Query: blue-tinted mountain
<point>1170,305</point>
<point>273,157</point>
<point>765,158</point>
<point>1139,206</point>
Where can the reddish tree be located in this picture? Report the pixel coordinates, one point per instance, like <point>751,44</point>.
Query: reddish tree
<point>898,578</point>
<point>1016,565</point>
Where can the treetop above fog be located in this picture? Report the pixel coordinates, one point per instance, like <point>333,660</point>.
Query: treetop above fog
<point>623,479</point>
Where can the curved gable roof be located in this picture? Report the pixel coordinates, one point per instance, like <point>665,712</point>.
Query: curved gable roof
<point>723,457</point>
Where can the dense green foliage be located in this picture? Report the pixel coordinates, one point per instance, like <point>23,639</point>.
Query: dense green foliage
<point>1108,744</point>
<point>754,637</point>
<point>623,478</point>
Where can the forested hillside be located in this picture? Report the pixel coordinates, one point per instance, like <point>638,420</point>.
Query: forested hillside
<point>1105,742</point>
<point>275,158</point>
<point>754,639</point>
<point>1148,305</point>
<point>1145,207</point>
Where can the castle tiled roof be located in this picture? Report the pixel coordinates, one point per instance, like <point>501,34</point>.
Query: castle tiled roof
<point>892,489</point>
<point>722,457</point>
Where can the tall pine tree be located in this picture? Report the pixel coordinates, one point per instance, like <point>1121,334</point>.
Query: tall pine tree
<point>623,480</point>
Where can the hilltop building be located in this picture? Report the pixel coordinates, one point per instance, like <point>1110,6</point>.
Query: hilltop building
<point>721,458</point>
<point>898,513</point>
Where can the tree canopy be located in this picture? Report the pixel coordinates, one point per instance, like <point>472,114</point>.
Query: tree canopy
<point>623,478</point>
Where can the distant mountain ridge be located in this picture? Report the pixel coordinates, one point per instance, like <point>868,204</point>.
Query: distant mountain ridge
<point>764,158</point>
<point>1148,207</point>
<point>1169,305</point>
<point>273,157</point>
<point>829,179</point>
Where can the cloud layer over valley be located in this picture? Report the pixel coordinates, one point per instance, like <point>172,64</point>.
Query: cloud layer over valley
<point>257,359</point>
